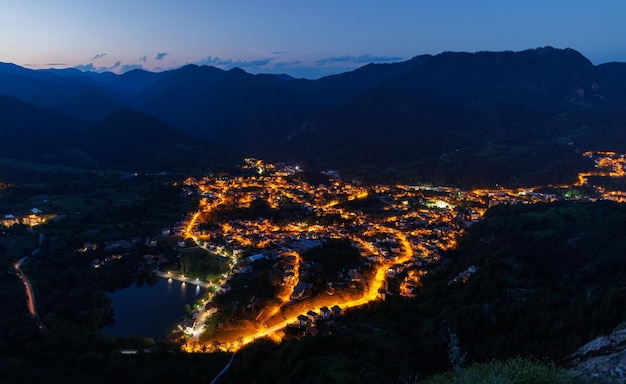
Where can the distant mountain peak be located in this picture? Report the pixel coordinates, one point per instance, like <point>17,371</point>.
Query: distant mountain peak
<point>13,68</point>
<point>237,70</point>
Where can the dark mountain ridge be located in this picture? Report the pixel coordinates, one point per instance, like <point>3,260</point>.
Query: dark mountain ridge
<point>125,140</point>
<point>472,119</point>
<point>82,95</point>
<point>475,118</point>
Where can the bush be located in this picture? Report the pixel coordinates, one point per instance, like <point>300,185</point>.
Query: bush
<point>515,370</point>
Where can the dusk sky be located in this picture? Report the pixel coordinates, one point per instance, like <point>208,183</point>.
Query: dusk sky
<point>302,38</point>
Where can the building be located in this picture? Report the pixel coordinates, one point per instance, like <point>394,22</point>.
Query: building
<point>313,316</point>
<point>303,320</point>
<point>325,313</point>
<point>211,308</point>
<point>257,257</point>
<point>189,326</point>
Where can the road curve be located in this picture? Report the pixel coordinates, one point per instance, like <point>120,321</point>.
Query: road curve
<point>29,288</point>
<point>225,368</point>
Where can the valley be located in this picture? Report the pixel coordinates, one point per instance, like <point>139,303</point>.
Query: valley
<point>285,254</point>
<point>398,207</point>
<point>267,225</point>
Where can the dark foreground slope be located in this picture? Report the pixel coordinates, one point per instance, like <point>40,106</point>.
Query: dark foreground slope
<point>550,277</point>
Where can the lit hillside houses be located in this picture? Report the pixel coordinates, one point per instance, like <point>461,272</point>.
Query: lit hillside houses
<point>32,219</point>
<point>464,276</point>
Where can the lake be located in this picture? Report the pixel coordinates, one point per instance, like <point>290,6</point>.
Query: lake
<point>152,310</point>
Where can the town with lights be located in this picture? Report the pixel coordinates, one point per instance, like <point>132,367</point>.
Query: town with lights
<point>266,226</point>
<point>273,255</point>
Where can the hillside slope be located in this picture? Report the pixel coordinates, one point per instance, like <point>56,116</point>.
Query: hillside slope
<point>125,140</point>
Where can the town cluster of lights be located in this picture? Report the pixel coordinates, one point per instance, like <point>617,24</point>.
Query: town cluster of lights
<point>407,229</point>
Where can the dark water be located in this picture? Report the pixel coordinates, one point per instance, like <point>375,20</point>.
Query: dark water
<point>151,310</point>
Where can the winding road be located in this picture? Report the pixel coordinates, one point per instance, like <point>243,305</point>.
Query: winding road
<point>225,368</point>
<point>370,295</point>
<point>29,288</point>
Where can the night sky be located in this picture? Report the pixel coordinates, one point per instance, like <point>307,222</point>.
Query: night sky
<point>302,38</point>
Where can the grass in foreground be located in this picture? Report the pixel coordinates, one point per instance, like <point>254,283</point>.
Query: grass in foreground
<point>515,370</point>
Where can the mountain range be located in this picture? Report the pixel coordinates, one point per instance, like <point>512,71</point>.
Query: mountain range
<point>469,119</point>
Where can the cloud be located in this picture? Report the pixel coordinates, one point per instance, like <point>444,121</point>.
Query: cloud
<point>367,58</point>
<point>104,69</point>
<point>85,68</point>
<point>160,56</point>
<point>98,56</point>
<point>215,61</point>
<point>280,64</point>
<point>92,68</point>
<point>229,64</point>
<point>251,63</point>
<point>279,52</point>
<point>56,64</point>
<point>334,59</point>
<point>130,67</point>
<point>143,59</point>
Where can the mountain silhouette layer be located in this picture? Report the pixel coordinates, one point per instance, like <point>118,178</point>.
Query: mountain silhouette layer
<point>469,119</point>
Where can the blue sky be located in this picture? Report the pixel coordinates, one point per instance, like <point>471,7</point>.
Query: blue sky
<point>301,38</point>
